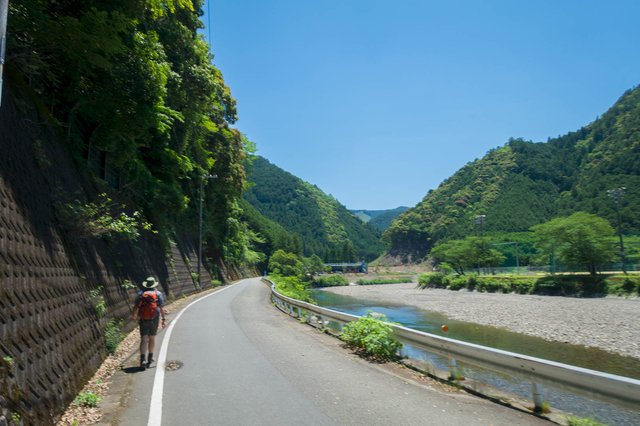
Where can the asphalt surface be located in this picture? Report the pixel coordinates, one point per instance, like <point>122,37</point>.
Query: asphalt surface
<point>243,362</point>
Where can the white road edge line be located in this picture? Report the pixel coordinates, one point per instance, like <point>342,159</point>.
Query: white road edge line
<point>155,408</point>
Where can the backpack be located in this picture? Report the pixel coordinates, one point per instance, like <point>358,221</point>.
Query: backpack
<point>148,305</point>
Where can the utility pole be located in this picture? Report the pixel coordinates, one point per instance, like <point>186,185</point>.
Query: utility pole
<point>202,179</point>
<point>617,195</point>
<point>4,12</point>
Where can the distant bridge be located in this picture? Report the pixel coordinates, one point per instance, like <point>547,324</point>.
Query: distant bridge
<point>361,267</point>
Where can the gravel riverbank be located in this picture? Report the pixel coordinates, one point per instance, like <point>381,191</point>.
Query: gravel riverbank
<point>611,323</point>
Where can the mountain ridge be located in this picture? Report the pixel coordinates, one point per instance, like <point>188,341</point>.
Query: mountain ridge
<point>524,183</point>
<point>323,225</point>
<point>379,219</point>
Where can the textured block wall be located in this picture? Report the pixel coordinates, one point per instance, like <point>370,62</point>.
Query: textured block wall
<point>51,335</point>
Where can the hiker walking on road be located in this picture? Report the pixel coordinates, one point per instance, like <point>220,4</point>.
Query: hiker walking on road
<point>148,307</point>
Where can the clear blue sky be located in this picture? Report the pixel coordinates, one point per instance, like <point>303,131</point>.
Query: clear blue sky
<point>376,102</point>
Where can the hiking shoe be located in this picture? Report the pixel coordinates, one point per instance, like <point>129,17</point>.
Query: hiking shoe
<point>149,363</point>
<point>143,365</point>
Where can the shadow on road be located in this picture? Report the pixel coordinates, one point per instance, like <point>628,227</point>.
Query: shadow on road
<point>131,370</point>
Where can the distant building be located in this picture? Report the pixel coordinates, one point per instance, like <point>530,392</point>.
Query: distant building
<point>361,267</point>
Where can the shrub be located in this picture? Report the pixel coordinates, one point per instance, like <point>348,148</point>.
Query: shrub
<point>87,399</point>
<point>456,283</point>
<point>292,287</point>
<point>472,282</point>
<point>373,336</point>
<point>112,335</point>
<point>432,280</point>
<point>330,281</point>
<point>522,285</point>
<point>98,301</point>
<point>571,285</point>
<point>103,219</point>
<point>494,284</point>
<point>622,285</point>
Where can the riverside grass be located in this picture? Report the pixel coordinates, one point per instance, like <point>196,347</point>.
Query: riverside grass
<point>553,285</point>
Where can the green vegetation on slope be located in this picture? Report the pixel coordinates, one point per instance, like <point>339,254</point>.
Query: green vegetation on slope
<point>323,225</point>
<point>523,184</point>
<point>130,88</point>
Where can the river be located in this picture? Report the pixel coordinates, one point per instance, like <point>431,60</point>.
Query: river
<point>582,356</point>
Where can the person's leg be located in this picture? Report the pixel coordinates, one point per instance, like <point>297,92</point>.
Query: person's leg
<point>144,344</point>
<point>152,345</point>
<point>153,329</point>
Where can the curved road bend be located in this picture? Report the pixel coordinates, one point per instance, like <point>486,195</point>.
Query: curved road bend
<point>246,363</point>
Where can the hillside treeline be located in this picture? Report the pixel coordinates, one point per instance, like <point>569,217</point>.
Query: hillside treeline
<point>316,223</point>
<point>523,184</point>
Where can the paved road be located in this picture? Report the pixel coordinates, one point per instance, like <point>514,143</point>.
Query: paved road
<point>246,363</point>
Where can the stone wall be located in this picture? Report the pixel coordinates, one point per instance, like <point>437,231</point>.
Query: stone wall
<point>52,281</point>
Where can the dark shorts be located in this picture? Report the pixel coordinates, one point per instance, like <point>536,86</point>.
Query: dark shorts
<point>149,327</point>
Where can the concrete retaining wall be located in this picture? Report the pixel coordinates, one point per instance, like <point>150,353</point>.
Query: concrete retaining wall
<point>51,333</point>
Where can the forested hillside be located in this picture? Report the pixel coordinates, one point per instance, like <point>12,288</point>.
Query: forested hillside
<point>131,89</point>
<point>523,184</point>
<point>319,224</point>
<point>379,219</point>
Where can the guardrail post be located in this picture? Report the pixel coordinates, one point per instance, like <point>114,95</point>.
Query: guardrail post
<point>299,311</point>
<point>538,403</point>
<point>454,374</point>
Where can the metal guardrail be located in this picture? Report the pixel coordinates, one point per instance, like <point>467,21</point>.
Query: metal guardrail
<point>589,383</point>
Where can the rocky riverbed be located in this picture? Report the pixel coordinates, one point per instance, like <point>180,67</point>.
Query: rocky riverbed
<point>611,323</point>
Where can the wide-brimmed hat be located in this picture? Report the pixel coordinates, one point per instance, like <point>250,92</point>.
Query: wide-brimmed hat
<point>150,282</point>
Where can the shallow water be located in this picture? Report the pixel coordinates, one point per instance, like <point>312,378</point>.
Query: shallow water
<point>430,322</point>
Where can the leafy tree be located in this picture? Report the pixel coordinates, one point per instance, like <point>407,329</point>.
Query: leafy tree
<point>487,257</point>
<point>581,239</point>
<point>313,265</point>
<point>285,264</point>
<point>467,253</point>
<point>457,253</point>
